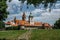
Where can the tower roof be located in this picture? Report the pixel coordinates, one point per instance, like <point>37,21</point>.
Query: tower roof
<point>30,15</point>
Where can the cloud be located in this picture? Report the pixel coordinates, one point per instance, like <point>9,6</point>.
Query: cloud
<point>39,14</point>
<point>37,10</point>
<point>13,6</point>
<point>49,17</point>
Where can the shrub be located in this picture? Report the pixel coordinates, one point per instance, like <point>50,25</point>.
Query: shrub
<point>13,28</point>
<point>57,24</point>
<point>2,24</point>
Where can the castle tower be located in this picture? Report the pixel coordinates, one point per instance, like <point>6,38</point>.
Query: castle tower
<point>31,21</point>
<point>14,19</point>
<point>23,16</point>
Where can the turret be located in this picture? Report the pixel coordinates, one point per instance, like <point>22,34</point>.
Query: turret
<point>14,19</point>
<point>31,21</point>
<point>23,16</point>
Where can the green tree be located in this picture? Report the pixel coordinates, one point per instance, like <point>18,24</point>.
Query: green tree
<point>57,24</point>
<point>45,2</point>
<point>3,13</point>
<point>37,2</point>
<point>2,25</point>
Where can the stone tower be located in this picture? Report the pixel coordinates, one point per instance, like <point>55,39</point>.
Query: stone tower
<point>23,16</point>
<point>31,21</point>
<point>14,19</point>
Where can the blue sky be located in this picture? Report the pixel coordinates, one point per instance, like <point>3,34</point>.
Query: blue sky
<point>39,13</point>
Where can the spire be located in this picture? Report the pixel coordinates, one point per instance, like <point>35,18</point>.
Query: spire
<point>23,16</point>
<point>15,19</point>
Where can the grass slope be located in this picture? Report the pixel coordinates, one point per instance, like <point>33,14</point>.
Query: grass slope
<point>11,34</point>
<point>45,34</point>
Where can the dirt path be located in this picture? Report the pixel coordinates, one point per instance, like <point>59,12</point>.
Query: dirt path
<point>25,36</point>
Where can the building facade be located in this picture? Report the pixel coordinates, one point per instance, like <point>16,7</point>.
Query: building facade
<point>30,24</point>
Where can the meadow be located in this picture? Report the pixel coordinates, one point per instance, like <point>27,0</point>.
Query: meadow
<point>53,34</point>
<point>40,34</point>
<point>11,34</point>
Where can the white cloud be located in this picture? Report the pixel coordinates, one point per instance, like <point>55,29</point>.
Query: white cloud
<point>39,14</point>
<point>45,14</point>
<point>13,6</point>
<point>49,17</point>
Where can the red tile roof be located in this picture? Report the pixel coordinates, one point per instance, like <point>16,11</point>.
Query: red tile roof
<point>26,23</point>
<point>46,24</point>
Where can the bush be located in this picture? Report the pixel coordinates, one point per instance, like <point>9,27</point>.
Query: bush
<point>2,24</point>
<point>57,24</point>
<point>13,28</point>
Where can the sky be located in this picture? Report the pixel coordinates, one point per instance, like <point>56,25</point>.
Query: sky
<point>39,13</point>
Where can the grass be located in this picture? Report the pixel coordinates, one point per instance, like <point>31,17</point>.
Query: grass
<point>45,34</point>
<point>11,34</point>
<point>41,34</point>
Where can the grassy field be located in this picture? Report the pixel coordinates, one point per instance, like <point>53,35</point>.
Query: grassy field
<point>45,34</point>
<point>11,34</point>
<point>35,35</point>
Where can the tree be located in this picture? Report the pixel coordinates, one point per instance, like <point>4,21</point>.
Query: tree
<point>3,13</point>
<point>57,24</point>
<point>2,25</point>
<point>37,2</point>
<point>45,2</point>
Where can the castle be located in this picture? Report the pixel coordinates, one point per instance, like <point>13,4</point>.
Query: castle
<point>30,24</point>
